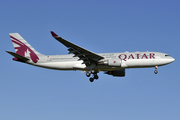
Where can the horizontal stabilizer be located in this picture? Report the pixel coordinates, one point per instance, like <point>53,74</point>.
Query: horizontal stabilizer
<point>18,57</point>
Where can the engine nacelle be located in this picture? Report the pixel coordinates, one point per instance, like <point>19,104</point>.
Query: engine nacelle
<point>114,62</point>
<point>116,73</point>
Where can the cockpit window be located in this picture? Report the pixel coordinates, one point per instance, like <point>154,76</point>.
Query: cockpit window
<point>166,55</point>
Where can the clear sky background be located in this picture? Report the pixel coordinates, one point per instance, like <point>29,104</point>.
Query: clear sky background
<point>32,93</point>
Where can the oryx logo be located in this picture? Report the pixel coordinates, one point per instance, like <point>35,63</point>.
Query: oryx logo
<point>24,50</point>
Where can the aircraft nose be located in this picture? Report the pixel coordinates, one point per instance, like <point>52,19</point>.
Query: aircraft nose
<point>171,59</point>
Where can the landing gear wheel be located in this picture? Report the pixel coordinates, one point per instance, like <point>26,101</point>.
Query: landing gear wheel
<point>91,79</point>
<point>156,67</point>
<point>88,74</point>
<point>155,71</point>
<point>92,71</point>
<point>96,77</point>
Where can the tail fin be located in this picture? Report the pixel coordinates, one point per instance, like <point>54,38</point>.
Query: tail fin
<point>23,48</point>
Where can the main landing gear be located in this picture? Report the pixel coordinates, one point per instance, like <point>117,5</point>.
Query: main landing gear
<point>95,76</point>
<point>156,67</point>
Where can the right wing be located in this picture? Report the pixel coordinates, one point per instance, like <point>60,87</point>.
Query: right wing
<point>87,56</point>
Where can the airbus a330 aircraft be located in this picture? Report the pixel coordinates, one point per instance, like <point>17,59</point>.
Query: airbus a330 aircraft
<point>84,60</point>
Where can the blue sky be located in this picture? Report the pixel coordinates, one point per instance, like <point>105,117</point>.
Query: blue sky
<point>32,93</point>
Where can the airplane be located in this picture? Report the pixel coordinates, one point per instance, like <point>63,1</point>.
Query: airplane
<point>86,61</point>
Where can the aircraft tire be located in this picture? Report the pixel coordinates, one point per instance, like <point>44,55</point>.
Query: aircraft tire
<point>96,77</point>
<point>93,71</point>
<point>88,74</point>
<point>91,79</point>
<point>155,71</point>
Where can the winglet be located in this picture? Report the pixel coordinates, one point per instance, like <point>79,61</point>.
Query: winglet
<point>54,34</point>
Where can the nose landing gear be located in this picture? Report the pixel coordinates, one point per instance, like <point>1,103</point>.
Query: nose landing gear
<point>156,67</point>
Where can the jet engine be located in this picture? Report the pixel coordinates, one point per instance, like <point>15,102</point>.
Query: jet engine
<point>114,62</point>
<point>116,73</point>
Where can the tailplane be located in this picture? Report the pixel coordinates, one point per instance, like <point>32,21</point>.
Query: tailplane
<point>23,48</point>
<point>18,57</point>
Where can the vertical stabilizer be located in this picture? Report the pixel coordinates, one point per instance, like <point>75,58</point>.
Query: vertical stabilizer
<point>23,48</point>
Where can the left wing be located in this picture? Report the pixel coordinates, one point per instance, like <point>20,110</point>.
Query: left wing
<point>87,56</point>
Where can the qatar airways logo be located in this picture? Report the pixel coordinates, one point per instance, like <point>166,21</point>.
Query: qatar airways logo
<point>137,56</point>
<point>24,50</point>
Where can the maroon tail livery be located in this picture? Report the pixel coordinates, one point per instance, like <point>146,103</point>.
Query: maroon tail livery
<point>23,48</point>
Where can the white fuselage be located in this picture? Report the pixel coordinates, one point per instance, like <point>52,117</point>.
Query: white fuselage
<point>82,59</point>
<point>127,60</point>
